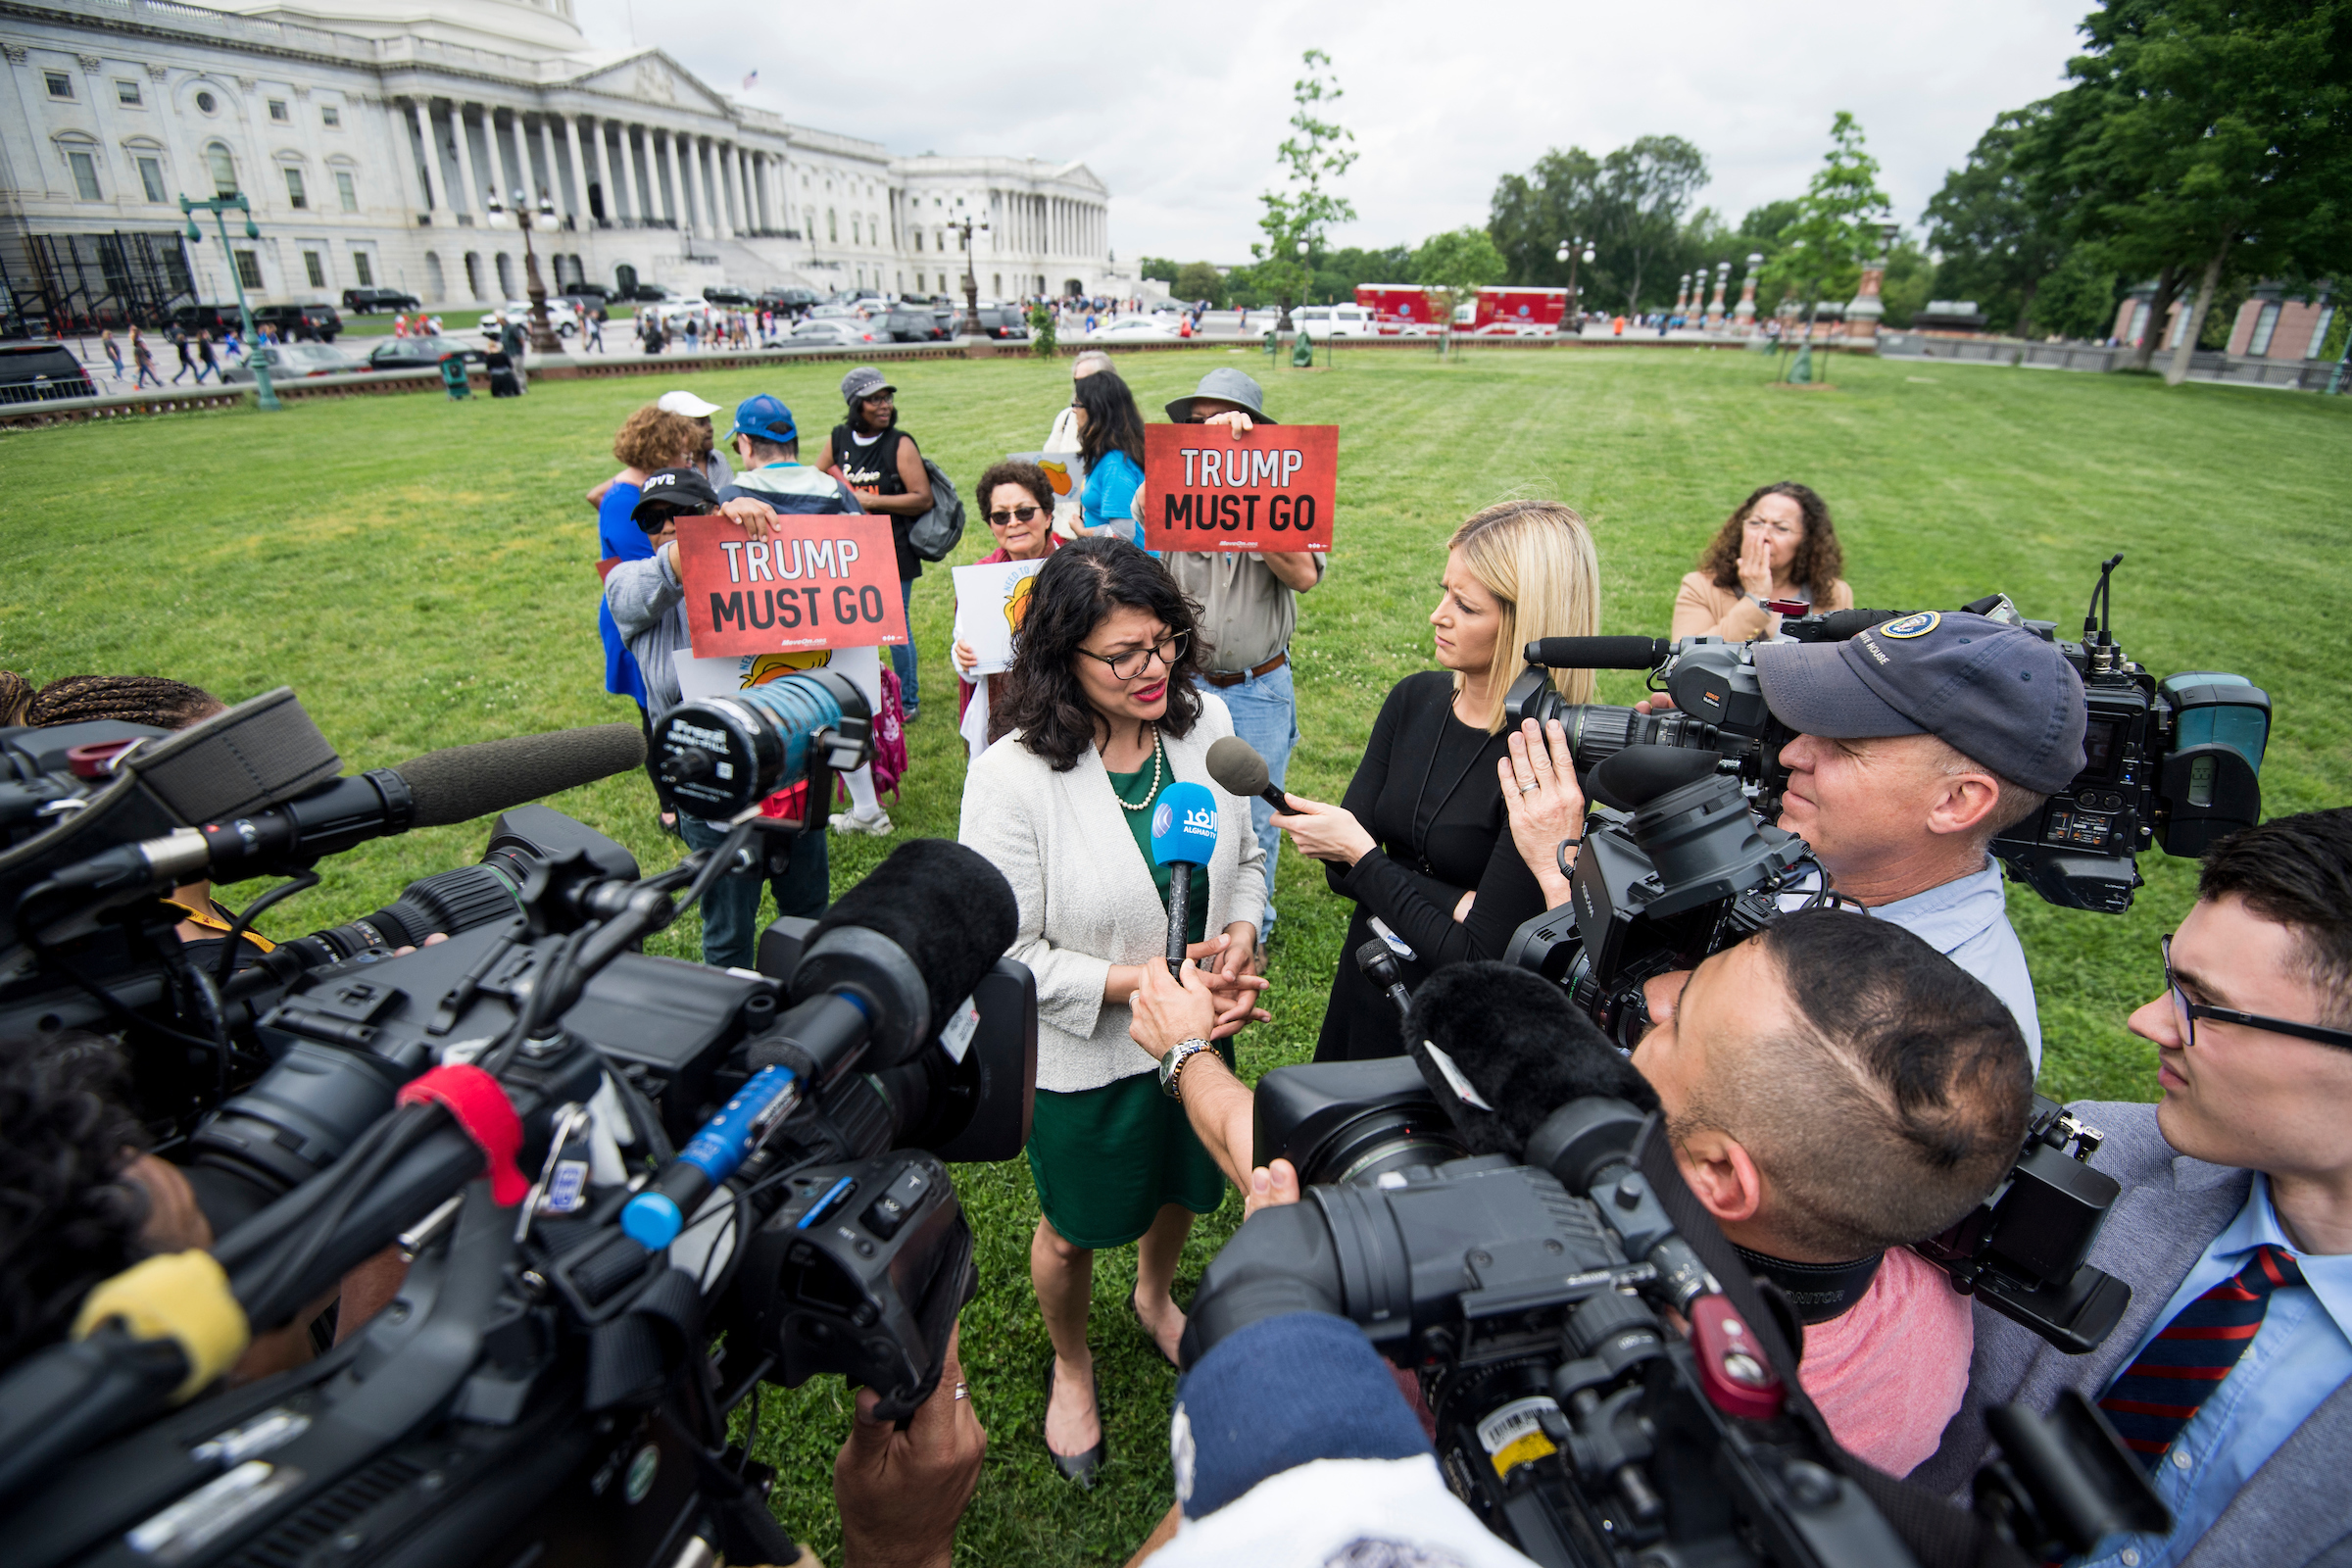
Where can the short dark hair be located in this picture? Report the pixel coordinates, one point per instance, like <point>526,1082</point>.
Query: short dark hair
<point>1114,424</point>
<point>1015,471</point>
<point>1077,588</point>
<point>73,1218</point>
<point>1897,1103</point>
<point>784,451</point>
<point>1820,560</point>
<point>2297,872</point>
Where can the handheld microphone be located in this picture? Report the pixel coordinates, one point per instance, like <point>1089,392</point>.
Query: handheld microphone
<point>1379,967</point>
<point>1184,835</point>
<point>1598,653</point>
<point>1239,770</point>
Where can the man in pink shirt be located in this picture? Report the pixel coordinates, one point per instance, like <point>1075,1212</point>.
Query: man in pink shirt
<point>1835,1090</point>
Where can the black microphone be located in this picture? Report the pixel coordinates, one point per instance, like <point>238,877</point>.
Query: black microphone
<point>1598,653</point>
<point>1239,770</point>
<point>1379,967</point>
<point>1516,1042</point>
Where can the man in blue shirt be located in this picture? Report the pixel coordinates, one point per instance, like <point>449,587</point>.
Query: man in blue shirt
<point>2227,1376</point>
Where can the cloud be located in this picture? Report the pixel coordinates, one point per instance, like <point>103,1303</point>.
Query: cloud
<point>1180,110</point>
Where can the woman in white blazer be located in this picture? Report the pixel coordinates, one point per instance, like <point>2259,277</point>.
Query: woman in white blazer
<point>1103,715</point>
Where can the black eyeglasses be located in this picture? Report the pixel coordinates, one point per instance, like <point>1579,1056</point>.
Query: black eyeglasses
<point>1133,662</point>
<point>997,520</point>
<point>2188,1012</point>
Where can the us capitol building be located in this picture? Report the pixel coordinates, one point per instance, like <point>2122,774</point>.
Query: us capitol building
<point>372,139</point>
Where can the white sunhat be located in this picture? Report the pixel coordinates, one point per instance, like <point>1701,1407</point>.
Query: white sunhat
<point>685,403</point>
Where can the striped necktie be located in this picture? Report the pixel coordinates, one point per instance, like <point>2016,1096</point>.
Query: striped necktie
<point>2181,1366</point>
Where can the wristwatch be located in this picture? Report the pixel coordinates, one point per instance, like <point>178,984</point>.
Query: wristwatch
<point>1173,1063</point>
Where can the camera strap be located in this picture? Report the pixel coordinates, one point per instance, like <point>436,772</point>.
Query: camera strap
<point>1819,1292</point>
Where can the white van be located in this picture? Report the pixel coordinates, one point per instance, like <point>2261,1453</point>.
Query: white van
<point>1334,320</point>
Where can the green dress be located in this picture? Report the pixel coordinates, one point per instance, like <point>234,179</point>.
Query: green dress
<point>1107,1159</point>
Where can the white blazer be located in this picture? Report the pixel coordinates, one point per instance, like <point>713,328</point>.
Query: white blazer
<point>1085,893</point>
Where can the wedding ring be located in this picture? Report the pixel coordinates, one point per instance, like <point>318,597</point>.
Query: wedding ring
<point>1527,788</point>
<point>964,1390</point>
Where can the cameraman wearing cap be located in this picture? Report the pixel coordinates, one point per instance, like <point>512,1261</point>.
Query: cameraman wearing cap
<point>1248,608</point>
<point>648,600</point>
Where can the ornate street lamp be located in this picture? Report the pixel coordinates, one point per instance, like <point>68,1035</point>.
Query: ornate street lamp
<point>971,326</point>
<point>1573,250</point>
<point>265,396</point>
<point>543,336</point>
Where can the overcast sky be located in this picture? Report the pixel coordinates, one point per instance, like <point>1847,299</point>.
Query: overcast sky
<point>1179,108</point>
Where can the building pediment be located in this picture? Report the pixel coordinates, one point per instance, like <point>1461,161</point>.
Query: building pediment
<point>656,80</point>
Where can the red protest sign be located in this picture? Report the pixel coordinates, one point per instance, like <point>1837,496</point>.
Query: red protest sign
<point>1270,488</point>
<point>829,581</point>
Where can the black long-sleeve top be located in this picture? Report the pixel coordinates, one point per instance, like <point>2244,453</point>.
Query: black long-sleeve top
<point>1428,794</point>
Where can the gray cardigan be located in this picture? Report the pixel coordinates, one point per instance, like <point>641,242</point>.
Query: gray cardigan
<point>649,606</point>
<point>2295,1510</point>
<point>1085,895</point>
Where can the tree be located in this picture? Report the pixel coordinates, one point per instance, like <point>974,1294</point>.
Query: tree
<point>1454,266</point>
<point>1838,224</point>
<point>1996,222</point>
<point>1157,268</point>
<point>1628,205</point>
<point>1315,152</point>
<point>1533,214</point>
<point>1199,280</point>
<point>2207,135</point>
<point>1336,273</point>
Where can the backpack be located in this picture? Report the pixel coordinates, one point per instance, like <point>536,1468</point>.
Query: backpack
<point>934,534</point>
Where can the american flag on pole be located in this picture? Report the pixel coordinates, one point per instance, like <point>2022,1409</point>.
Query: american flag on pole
<point>750,82</point>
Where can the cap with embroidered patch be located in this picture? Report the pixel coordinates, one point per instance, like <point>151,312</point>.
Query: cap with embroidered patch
<point>2003,696</point>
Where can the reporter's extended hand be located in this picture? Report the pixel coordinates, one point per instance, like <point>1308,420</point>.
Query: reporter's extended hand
<point>1324,832</point>
<point>901,1493</point>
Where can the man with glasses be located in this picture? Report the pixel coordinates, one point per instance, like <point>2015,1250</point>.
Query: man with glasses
<point>1248,610</point>
<point>2227,1376</point>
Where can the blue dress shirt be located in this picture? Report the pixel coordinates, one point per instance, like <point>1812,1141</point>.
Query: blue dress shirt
<point>2300,1356</point>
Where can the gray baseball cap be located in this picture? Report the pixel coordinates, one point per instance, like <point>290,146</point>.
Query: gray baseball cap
<point>2003,695</point>
<point>1226,385</point>
<point>863,384</point>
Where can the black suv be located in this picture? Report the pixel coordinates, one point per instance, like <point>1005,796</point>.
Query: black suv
<point>36,372</point>
<point>1003,322</point>
<point>301,323</point>
<point>918,325</point>
<point>719,294</point>
<point>790,301</point>
<point>218,319</point>
<point>645,293</point>
<point>376,301</point>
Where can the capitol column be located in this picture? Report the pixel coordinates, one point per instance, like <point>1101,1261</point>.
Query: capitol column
<point>576,187</point>
<point>677,184</point>
<point>456,123</point>
<point>420,111</point>
<point>708,159</point>
<point>624,187</point>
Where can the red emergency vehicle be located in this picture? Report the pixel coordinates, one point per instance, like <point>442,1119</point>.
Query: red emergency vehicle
<point>1397,306</point>
<point>1505,310</point>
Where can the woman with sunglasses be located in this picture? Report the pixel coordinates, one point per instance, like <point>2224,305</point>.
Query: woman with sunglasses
<point>1017,500</point>
<point>1103,714</point>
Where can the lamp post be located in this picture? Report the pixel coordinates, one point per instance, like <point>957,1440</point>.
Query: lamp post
<point>543,336</point>
<point>971,326</point>
<point>1572,251</point>
<point>265,396</point>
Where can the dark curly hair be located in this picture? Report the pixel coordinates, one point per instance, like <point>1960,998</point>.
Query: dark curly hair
<point>128,699</point>
<point>1819,563</point>
<point>1014,470</point>
<point>69,1216</point>
<point>1077,589</point>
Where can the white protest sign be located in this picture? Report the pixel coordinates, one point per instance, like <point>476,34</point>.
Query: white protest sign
<point>990,601</point>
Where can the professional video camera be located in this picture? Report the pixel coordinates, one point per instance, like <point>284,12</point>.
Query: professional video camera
<point>598,1162</point>
<point>1526,1263</point>
<point>2176,761</point>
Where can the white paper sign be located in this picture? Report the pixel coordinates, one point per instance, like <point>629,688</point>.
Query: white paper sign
<point>990,601</point>
<point>702,679</point>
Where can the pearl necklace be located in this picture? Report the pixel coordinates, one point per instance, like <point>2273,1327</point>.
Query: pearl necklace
<point>1155,765</point>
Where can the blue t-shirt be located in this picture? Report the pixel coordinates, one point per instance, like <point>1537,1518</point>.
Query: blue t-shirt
<point>1109,493</point>
<point>618,538</point>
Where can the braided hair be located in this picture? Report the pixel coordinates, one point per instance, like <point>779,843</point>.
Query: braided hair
<point>15,696</point>
<point>150,699</point>
<point>68,1215</point>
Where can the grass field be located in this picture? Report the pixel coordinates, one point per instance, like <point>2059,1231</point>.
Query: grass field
<point>421,572</point>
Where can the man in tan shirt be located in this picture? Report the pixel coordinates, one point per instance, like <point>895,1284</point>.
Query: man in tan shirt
<point>1248,610</point>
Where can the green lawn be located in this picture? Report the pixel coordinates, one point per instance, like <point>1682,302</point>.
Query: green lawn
<point>422,573</point>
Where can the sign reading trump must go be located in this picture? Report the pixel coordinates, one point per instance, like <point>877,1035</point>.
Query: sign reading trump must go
<point>1268,489</point>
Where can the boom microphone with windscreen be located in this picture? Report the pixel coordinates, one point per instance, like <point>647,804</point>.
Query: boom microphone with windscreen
<point>1598,653</point>
<point>1184,835</point>
<point>1511,1039</point>
<point>1239,770</point>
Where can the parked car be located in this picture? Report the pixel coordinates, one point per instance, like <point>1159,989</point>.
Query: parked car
<point>1003,322</point>
<point>911,324</point>
<point>422,353</point>
<point>583,305</point>
<point>288,360</point>
<point>796,301</point>
<point>376,301</point>
<point>593,290</point>
<point>832,331</point>
<point>1336,320</point>
<point>37,372</point>
<point>722,294</point>
<point>218,319</point>
<point>1130,328</point>
<point>649,293</point>
<point>301,323</point>
<point>562,317</point>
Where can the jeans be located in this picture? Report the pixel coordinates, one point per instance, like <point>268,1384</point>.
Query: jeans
<point>731,908</point>
<point>901,654</point>
<point>1265,714</point>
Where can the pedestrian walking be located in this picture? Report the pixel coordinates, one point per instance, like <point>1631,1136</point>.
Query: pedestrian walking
<point>114,352</point>
<point>592,330</point>
<point>142,359</point>
<point>204,352</point>
<point>187,361</point>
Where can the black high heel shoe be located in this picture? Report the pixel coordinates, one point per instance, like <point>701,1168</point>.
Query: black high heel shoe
<point>1082,1467</point>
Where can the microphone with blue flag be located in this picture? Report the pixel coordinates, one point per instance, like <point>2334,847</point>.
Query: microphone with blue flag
<point>1184,835</point>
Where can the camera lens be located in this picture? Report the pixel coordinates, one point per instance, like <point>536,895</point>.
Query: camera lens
<point>1597,731</point>
<point>724,754</point>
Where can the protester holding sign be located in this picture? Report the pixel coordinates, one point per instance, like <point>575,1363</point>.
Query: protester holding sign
<point>1110,439</point>
<point>648,601</point>
<point>1104,718</point>
<point>1422,842</point>
<point>1018,502</point>
<point>1248,610</point>
<point>876,459</point>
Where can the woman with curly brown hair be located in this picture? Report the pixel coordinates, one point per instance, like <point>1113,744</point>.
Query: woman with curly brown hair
<point>1778,544</point>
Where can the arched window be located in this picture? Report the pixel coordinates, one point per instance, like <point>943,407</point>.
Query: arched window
<point>505,275</point>
<point>436,288</point>
<point>223,166</point>
<point>473,274</point>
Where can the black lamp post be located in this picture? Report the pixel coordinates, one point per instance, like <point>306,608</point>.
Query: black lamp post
<point>1573,251</point>
<point>265,396</point>
<point>971,324</point>
<point>543,336</point>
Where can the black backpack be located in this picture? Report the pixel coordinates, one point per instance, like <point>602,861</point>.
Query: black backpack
<point>934,534</point>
